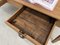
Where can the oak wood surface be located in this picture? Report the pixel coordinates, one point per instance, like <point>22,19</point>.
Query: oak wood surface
<point>33,26</point>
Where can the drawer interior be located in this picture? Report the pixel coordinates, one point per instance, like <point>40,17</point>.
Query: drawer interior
<point>32,23</point>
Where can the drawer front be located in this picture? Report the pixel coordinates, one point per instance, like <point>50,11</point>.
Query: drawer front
<point>32,25</point>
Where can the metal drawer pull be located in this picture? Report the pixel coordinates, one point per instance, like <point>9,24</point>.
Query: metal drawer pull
<point>21,34</point>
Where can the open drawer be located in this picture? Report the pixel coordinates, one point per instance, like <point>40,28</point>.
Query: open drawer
<point>32,25</point>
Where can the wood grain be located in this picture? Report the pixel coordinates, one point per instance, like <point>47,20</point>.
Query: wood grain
<point>33,26</point>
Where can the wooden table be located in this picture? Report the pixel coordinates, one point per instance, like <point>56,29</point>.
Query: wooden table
<point>55,13</point>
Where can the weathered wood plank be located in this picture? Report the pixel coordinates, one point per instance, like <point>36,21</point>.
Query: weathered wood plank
<point>33,26</point>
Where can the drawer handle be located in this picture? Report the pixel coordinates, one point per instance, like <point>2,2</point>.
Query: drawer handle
<point>21,34</point>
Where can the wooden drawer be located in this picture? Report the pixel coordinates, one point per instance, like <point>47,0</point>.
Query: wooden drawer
<point>32,25</point>
<point>2,2</point>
